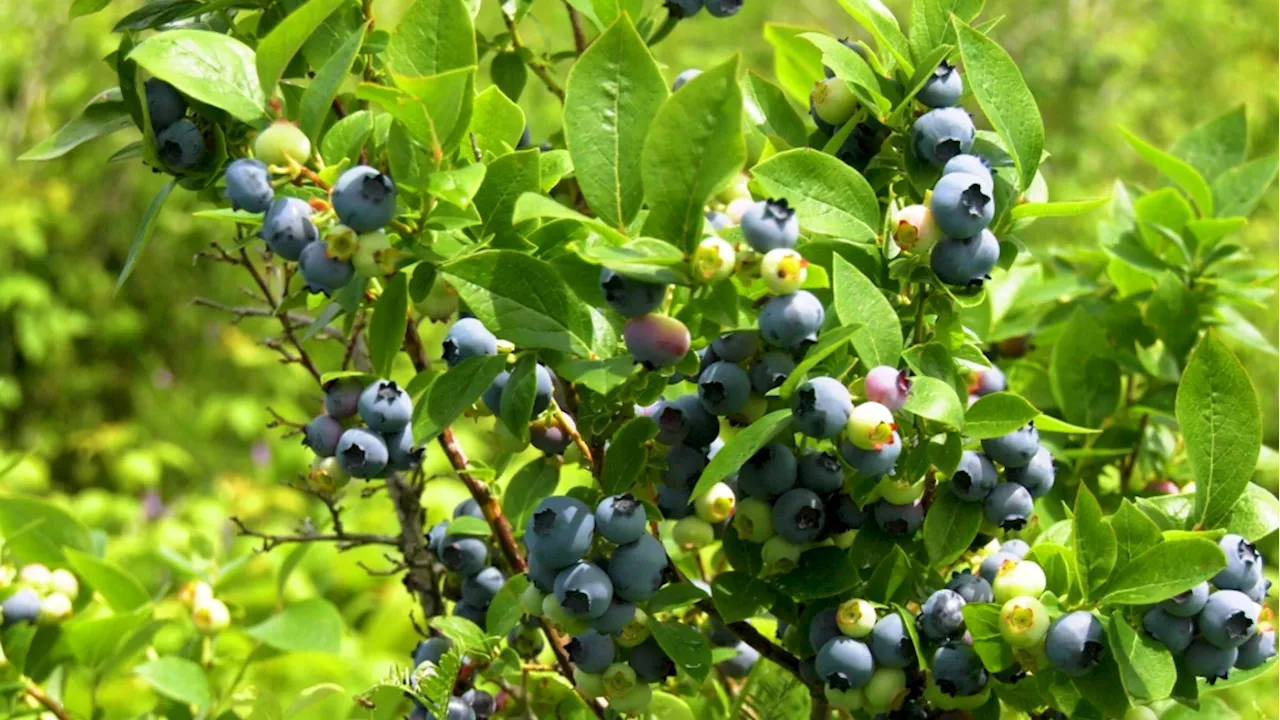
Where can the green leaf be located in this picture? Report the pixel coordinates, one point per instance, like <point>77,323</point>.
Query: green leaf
<point>694,147</point>
<point>435,110</point>
<point>890,575</point>
<point>1181,173</point>
<point>982,620</point>
<point>286,38</point>
<point>467,637</point>
<point>613,93</point>
<point>319,95</point>
<point>213,68</point>
<point>936,400</point>
<point>1217,145</point>
<point>598,376</point>
<point>685,646</point>
<point>829,197</point>
<point>1135,533</point>
<point>796,62</point>
<point>104,114</point>
<point>858,300</point>
<point>998,414</point>
<point>518,397</point>
<point>883,26</point>
<point>1174,314</point>
<point>80,8</point>
<point>822,572</point>
<point>509,74</point>
<point>454,392</point>
<point>1046,423</point>
<point>346,137</point>
<point>309,626</point>
<point>504,611</point>
<point>740,448</point>
<point>627,456</point>
<point>739,596</point>
<point>143,233</point>
<point>1146,667</point>
<point>1056,209</point>
<point>122,591</point>
<point>676,596</point>
<point>469,525</point>
<point>433,37</point>
<point>1239,190</point>
<point>1084,377</point>
<point>931,26</point>
<point>497,122</point>
<point>97,640</point>
<point>850,67</point>
<point>177,678</point>
<point>522,299</point>
<point>640,259</point>
<point>828,342</point>
<point>768,110</point>
<point>1095,543</point>
<point>507,178</point>
<point>1172,567</point>
<point>1217,410</point>
<point>1058,563</point>
<point>36,531</point>
<point>949,527</point>
<point>532,206</point>
<point>1009,106</point>
<point>386,329</point>
<point>531,485</point>
<point>1255,515</point>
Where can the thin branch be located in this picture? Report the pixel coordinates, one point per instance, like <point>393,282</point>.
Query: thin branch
<point>279,420</point>
<point>569,426</point>
<point>344,541</point>
<point>285,325</point>
<point>406,498</point>
<point>49,703</point>
<point>575,19</point>
<point>244,311</point>
<point>536,64</point>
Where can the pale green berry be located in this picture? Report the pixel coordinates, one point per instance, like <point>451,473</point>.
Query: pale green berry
<point>62,581</point>
<point>856,618</point>
<point>716,504</point>
<point>619,679</point>
<point>901,491</point>
<point>634,700</point>
<point>374,256</point>
<point>281,142</point>
<point>635,631</point>
<point>851,700</point>
<point>341,243</point>
<point>441,301</point>
<point>783,271</point>
<point>714,260</point>
<point>885,688</point>
<point>914,230</point>
<point>54,608</point>
<point>693,532</point>
<point>754,520</point>
<point>1024,622</point>
<point>833,101</point>
<point>37,577</point>
<point>591,684</point>
<point>1016,578</point>
<point>780,556</point>
<point>531,601</point>
<point>210,616</point>
<point>870,426</point>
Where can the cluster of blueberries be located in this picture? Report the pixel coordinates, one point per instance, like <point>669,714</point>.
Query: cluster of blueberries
<point>473,704</point>
<point>1222,624</point>
<point>383,445</point>
<point>472,582</point>
<point>680,9</point>
<point>36,594</point>
<point>180,144</point>
<point>1028,471</point>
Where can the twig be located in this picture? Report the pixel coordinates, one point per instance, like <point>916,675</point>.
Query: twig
<point>356,328</point>
<point>406,497</point>
<point>244,311</point>
<point>575,19</point>
<point>285,325</point>
<point>281,421</point>
<point>536,64</point>
<point>344,541</point>
<point>567,424</point>
<point>49,703</point>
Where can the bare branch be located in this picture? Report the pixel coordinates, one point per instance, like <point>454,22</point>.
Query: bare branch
<point>343,541</point>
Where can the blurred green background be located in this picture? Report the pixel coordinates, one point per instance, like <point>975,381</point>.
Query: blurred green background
<point>151,411</point>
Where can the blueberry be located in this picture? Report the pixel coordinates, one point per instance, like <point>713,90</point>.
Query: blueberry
<point>1175,633</point>
<point>943,88</point>
<point>963,205</point>
<point>1244,564</point>
<point>477,615</point>
<point>480,589</point>
<point>844,663</point>
<point>871,425</point>
<point>468,508</point>
<point>717,504</point>
<point>823,627</point>
<point>591,651</point>
<point>1257,650</point>
<point>560,531</point>
<point>1023,622</point>
<point>651,662</point>
<point>720,635</point>
<point>847,515</point>
<point>526,641</point>
<point>1259,591</point>
<point>783,271</point>
<point>364,199</point>
<point>620,518</point>
<point>544,389</point>
<point>957,670</point>
<point>863,144</point>
<point>342,398</point>
<point>1206,660</point>
<point>736,347</point>
<point>899,519</point>
<point>799,516</point>
<point>287,228</point>
<point>435,536</point>
<point>825,129</point>
<point>753,520</point>
<point>888,386</point>
<point>165,105</point>
<point>821,407</point>
<point>939,135</point>
<point>970,164</point>
<point>723,8</point>
<point>463,554</point>
<point>249,185</point>
<point>990,380</point>
<point>684,465</point>
<point>975,477</point>
<point>791,321</point>
<point>891,643</point>
<point>322,273</point>
<point>1189,603</point>
<point>685,420</point>
<point>673,503</point>
<point>914,230</point>
<point>549,437</point>
<point>971,588</point>
<point>769,225</point>
<point>431,650</point>
<point>1009,506</point>
<point>770,472</point>
<point>770,371</point>
<point>385,407</point>
<point>820,472</point>
<point>322,434</point>
<point>614,620</point>
<point>1016,578</point>
<point>631,298</point>
<point>542,575</point>
<point>675,7</point>
<point>180,146</point>
<point>739,666</point>
<point>941,617</point>
<point>872,463</point>
<point>1075,643</point>
<point>965,262</point>
<point>282,142</point>
<point>584,590</point>
<point>22,606</point>
<point>656,341</point>
<point>715,259</point>
<point>724,388</point>
<point>1037,476</point>
<point>1016,547</point>
<point>1015,449</point>
<point>362,453</point>
<point>1229,618</point>
<point>991,565</point>
<point>467,338</point>
<point>637,569</point>
<point>833,102</point>
<point>482,703</point>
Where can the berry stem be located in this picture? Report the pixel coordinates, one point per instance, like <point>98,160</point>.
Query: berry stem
<point>567,424</point>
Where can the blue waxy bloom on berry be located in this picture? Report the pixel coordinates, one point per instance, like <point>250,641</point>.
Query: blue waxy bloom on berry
<point>820,472</point>
<point>322,434</point>
<point>723,8</point>
<point>464,554</point>
<point>1189,603</point>
<point>685,464</point>
<point>431,650</point>
<point>736,346</point>
<point>972,588</point>
<point>364,199</point>
<point>165,105</point>
<point>903,520</point>
<point>342,398</point>
<point>963,205</point>
<point>992,563</point>
<point>691,73</point>
<point>799,516</point>
<point>821,407</point>
<point>1175,633</point>
<point>468,337</point>
<point>680,9</point>
<point>1206,660</point>
<point>249,185</point>
<point>844,663</point>
<point>971,164</point>
<point>544,389</point>
<point>872,463</point>
<point>1075,643</point>
<point>1009,506</point>
<point>402,455</point>
<point>322,273</point>
<point>674,502</point>
<point>939,135</point>
<point>724,388</point>
<point>958,671</point>
<point>591,651</point>
<point>941,616</point>
<point>1037,476</point>
<point>615,619</point>
<point>180,146</point>
<point>549,437</point>
<point>769,225</point>
<point>620,518</point>
<point>22,606</point>
<point>990,380</point>
<point>770,472</point>
<point>287,228</point>
<point>791,321</point>
<point>631,298</point>
<point>1257,650</point>
<point>542,575</point>
<point>560,531</point>
<point>685,420</point>
<point>651,662</point>
<point>891,642</point>
<point>362,453</point>
<point>1229,618</point>
<point>975,477</point>
<point>824,626</point>
<point>770,371</point>
<point>1015,449</point>
<point>637,569</point>
<point>584,590</point>
<point>480,589</point>
<point>967,261</point>
<point>739,666</point>
<point>1244,564</point>
<point>385,407</point>
<point>944,87</point>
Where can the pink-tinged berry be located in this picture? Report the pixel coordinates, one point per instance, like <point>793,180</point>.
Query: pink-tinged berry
<point>914,230</point>
<point>870,426</point>
<point>888,386</point>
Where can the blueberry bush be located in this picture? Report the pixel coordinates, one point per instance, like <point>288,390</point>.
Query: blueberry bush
<point>787,420</point>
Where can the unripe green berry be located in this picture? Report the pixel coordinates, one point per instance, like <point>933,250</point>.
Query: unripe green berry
<point>635,631</point>
<point>783,271</point>
<point>833,101</point>
<point>754,520</point>
<point>870,426</point>
<point>844,540</point>
<point>591,684</point>
<point>1016,578</point>
<point>716,504</point>
<point>619,679</point>
<point>54,608</point>
<point>693,532</point>
<point>851,700</point>
<point>901,491</point>
<point>856,618</point>
<point>531,601</point>
<point>210,616</point>
<point>327,476</point>
<point>1140,712</point>
<point>714,260</point>
<point>62,581</point>
<point>780,556</point>
<point>441,301</point>
<point>374,256</point>
<point>1024,622</point>
<point>552,610</point>
<point>634,700</point>
<point>341,242</point>
<point>37,577</point>
<point>885,688</point>
<point>281,142</point>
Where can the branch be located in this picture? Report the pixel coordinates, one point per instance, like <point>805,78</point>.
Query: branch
<point>575,19</point>
<point>303,357</point>
<point>536,64</point>
<point>406,497</point>
<point>343,540</point>
<point>53,706</point>
<point>243,311</point>
<point>569,426</point>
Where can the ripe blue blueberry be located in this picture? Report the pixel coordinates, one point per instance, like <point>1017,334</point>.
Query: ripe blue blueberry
<point>431,650</point>
<point>674,503</point>
<point>685,420</point>
<point>844,663</point>
<point>322,273</point>
<point>943,88</point>
<point>614,620</point>
<point>941,617</point>
<point>165,105</point>
<point>361,453</point>
<point>717,220</point>
<point>1075,643</point>
<point>891,642</point>
<point>1257,650</point>
<point>322,434</point>
<point>1244,564</point>
<point>963,205</point>
<point>480,589</point>
<point>975,477</point>
<point>992,563</point>
<point>939,135</point>
<point>1259,591</point>
<point>249,185</point>
<point>482,703</point>
<point>342,398</point>
<point>799,516</point>
<point>824,626</point>
<point>637,569</point>
<point>820,472</point>
<point>971,588</point>
<point>22,606</point>
<point>724,388</point>
<point>990,380</point>
<point>591,651</point>
<point>549,437</point>
<point>477,615</point>
<point>821,407</point>
<point>863,144</point>
<point>180,146</point>
<point>651,662</point>
<point>544,389</point>
<point>1009,506</point>
<point>656,341</point>
<point>1189,603</point>
<point>958,671</point>
<point>791,321</point>
<point>901,520</point>
<point>620,518</point>
<point>769,225</point>
<point>1206,660</point>
<point>584,590</point>
<point>1037,476</point>
<point>770,472</point>
<point>467,338</point>
<point>739,666</point>
<point>685,464</point>
<point>385,407</point>
<point>464,554</point>
<point>436,535</point>
<point>770,371</point>
<point>844,514</point>
<point>1175,633</point>
<point>287,227</point>
<point>1016,547</point>
<point>691,73</point>
<point>1015,449</point>
<point>542,575</point>
<point>723,8</point>
<point>872,463</point>
<point>468,508</point>
<point>560,531</point>
<point>1229,618</point>
<point>736,346</point>
<point>971,164</point>
<point>965,262</point>
<point>364,199</point>
<point>631,298</point>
